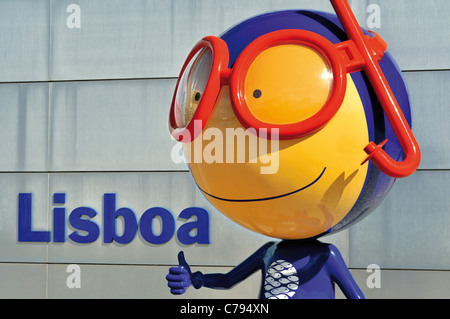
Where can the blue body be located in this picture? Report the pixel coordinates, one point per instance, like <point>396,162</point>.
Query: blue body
<point>306,269</point>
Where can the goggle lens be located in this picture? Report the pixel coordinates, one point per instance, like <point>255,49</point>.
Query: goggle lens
<point>288,84</point>
<point>192,86</point>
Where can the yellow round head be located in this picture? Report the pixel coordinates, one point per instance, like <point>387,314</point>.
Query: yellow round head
<point>288,188</point>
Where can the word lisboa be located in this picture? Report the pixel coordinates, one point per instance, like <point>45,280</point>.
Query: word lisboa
<point>230,148</point>
<point>87,231</point>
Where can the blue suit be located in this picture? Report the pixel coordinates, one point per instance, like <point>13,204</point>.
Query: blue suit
<point>290,270</point>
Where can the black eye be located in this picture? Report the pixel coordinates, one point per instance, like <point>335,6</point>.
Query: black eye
<point>197,96</point>
<point>257,94</point>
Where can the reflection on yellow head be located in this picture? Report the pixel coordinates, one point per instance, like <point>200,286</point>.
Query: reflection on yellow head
<point>317,179</point>
<point>301,81</point>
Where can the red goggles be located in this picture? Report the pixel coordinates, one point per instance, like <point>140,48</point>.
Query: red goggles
<point>206,71</point>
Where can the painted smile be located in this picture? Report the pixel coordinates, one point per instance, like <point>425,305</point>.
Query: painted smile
<point>266,198</point>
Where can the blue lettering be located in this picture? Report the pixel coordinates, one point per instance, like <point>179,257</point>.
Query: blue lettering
<point>201,225</point>
<point>59,218</point>
<point>194,230</point>
<point>109,221</point>
<point>82,224</point>
<point>26,234</point>
<point>167,222</point>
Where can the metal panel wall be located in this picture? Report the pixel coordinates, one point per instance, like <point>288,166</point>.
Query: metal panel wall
<point>24,40</point>
<point>95,127</point>
<point>130,36</point>
<point>24,126</point>
<point>84,111</point>
<point>430,98</point>
<point>142,39</point>
<point>410,228</point>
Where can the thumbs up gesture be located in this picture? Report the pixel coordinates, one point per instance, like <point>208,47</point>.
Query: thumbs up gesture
<point>180,278</point>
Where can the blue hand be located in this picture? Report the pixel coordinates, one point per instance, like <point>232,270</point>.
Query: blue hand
<point>179,278</point>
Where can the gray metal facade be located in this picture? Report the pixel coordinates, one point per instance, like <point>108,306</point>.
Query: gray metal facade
<point>84,111</point>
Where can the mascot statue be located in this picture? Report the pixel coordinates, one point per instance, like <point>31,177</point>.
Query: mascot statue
<point>324,101</point>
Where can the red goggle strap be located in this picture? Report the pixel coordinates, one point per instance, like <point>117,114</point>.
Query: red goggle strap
<point>370,51</point>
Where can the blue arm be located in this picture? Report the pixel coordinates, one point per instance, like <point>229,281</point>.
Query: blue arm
<point>181,277</point>
<point>238,273</point>
<point>340,274</point>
